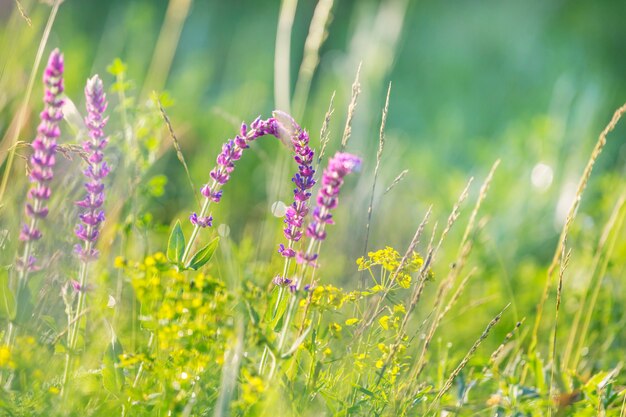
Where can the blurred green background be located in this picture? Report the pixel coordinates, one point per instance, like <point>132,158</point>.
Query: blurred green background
<point>532,83</point>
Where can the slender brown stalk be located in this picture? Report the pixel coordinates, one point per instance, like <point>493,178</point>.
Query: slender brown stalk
<point>584,179</point>
<point>455,297</point>
<point>496,353</point>
<point>372,313</point>
<point>395,182</point>
<point>379,155</point>
<point>325,131</point>
<point>564,262</point>
<point>179,152</point>
<point>458,265</point>
<point>466,358</point>
<point>356,90</point>
<point>606,247</point>
<point>20,8</point>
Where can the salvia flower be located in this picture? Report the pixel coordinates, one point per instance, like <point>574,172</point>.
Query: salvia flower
<point>231,152</point>
<point>303,180</point>
<point>338,167</point>
<point>282,281</point>
<point>206,221</point>
<point>92,214</point>
<point>43,159</point>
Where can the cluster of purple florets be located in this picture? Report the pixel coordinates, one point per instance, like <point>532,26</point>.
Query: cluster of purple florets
<point>93,215</point>
<point>303,180</point>
<point>338,167</point>
<point>231,152</point>
<point>45,144</point>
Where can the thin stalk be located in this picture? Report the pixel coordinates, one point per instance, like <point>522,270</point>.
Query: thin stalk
<point>282,54</point>
<point>601,264</point>
<point>196,228</point>
<point>279,299</point>
<point>379,155</point>
<point>22,279</point>
<point>215,187</point>
<point>294,298</point>
<point>311,57</point>
<point>466,359</point>
<point>72,336</point>
<point>582,185</point>
<point>21,116</point>
<point>169,36</point>
<point>564,261</point>
<point>356,90</point>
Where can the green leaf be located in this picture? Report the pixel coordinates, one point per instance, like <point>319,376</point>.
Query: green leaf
<point>156,185</point>
<point>366,391</point>
<point>254,316</point>
<point>277,320</point>
<point>24,306</point>
<point>204,255</point>
<point>7,300</point>
<point>117,67</point>
<point>112,374</point>
<point>176,244</point>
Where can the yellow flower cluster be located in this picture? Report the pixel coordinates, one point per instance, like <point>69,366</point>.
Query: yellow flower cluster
<point>390,260</point>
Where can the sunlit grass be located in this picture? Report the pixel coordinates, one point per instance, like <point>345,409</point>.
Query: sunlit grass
<point>434,291</point>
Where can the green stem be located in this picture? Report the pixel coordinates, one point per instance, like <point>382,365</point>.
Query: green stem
<point>196,228</point>
<point>279,299</point>
<point>74,324</point>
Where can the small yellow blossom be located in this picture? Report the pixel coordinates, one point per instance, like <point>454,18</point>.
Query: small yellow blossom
<point>119,262</point>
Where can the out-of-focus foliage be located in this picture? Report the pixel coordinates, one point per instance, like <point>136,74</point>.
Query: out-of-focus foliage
<point>531,83</point>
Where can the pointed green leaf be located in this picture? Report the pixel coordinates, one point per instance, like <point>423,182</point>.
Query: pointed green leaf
<point>7,300</point>
<point>267,316</point>
<point>24,306</point>
<point>176,244</point>
<point>254,316</point>
<point>204,255</point>
<point>277,320</point>
<point>112,374</point>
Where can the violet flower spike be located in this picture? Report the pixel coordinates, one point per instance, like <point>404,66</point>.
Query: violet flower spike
<point>303,179</point>
<point>231,152</point>
<point>338,167</point>
<point>92,215</point>
<point>43,158</point>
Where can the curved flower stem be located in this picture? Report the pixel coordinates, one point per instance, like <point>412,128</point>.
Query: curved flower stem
<point>231,152</point>
<point>215,186</point>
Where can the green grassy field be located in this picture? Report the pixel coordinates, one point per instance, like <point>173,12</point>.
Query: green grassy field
<point>471,156</point>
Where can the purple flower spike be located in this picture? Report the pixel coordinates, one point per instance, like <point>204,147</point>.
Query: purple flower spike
<point>92,216</point>
<point>231,152</point>
<point>43,158</point>
<point>298,138</point>
<point>339,166</point>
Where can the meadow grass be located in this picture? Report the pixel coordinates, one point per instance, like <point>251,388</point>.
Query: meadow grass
<point>195,313</point>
